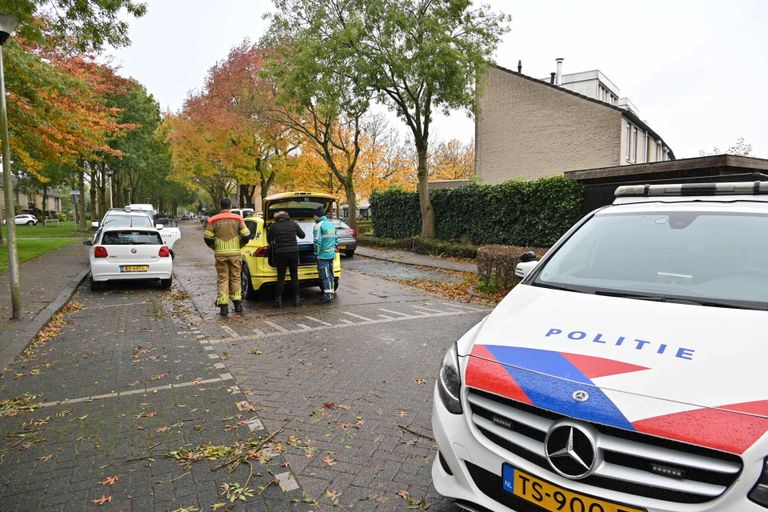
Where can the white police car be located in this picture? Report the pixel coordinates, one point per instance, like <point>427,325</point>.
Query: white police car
<point>627,372</point>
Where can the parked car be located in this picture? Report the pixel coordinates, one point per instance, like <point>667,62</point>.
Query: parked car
<point>128,253</point>
<point>24,219</point>
<point>626,371</point>
<point>237,211</point>
<point>186,216</point>
<point>258,273</point>
<point>346,241</point>
<point>169,229</point>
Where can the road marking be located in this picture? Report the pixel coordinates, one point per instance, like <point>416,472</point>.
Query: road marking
<point>214,356</point>
<point>219,366</point>
<point>364,319</point>
<point>276,326</point>
<point>318,320</point>
<point>223,377</point>
<point>230,331</point>
<point>428,310</point>
<point>207,347</point>
<point>282,331</point>
<point>385,317</point>
<point>254,424</point>
<point>405,315</point>
<point>286,481</point>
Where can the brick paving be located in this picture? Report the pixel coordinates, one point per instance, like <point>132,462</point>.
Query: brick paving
<point>350,384</point>
<point>125,382</point>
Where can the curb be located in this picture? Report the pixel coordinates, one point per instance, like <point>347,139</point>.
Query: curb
<point>412,264</point>
<point>41,318</point>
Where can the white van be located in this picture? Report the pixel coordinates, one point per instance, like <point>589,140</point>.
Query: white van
<point>627,372</point>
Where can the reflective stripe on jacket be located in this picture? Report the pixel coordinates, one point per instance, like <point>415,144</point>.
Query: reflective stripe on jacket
<point>225,229</point>
<point>325,239</point>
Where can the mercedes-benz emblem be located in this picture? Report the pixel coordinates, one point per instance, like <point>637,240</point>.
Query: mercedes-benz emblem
<point>571,451</point>
<point>580,395</point>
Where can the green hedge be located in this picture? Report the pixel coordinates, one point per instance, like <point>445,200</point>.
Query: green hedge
<point>421,245</point>
<point>524,213</point>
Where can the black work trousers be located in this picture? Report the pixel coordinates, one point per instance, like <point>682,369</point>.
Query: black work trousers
<point>287,261</point>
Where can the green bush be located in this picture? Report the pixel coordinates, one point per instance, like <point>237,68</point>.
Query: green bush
<point>522,213</point>
<point>421,245</point>
<point>395,214</point>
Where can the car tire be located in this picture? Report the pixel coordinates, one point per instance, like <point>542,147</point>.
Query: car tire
<point>31,223</point>
<point>246,285</point>
<point>166,283</point>
<point>349,254</point>
<point>97,286</point>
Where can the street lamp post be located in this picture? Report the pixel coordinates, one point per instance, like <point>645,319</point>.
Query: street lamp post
<point>7,26</point>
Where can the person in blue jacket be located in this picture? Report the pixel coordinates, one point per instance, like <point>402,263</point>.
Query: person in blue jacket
<point>325,253</point>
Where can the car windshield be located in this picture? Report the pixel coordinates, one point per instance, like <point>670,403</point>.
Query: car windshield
<point>717,258</point>
<point>131,221</point>
<point>131,238</point>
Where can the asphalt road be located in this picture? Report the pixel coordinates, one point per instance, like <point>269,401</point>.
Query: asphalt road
<point>349,386</point>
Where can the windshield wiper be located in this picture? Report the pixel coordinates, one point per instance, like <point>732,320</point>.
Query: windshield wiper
<point>677,300</point>
<point>561,287</point>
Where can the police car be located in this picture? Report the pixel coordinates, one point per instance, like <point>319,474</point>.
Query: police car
<point>627,372</point>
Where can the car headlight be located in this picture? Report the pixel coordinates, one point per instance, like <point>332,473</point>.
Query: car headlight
<point>449,381</point>
<point>759,493</point>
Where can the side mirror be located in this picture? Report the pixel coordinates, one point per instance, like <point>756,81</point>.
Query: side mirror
<point>95,224</point>
<point>523,269</point>
<point>528,256</point>
<point>158,226</point>
<point>87,242</point>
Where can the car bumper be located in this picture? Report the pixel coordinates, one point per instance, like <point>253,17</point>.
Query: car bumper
<point>111,271</point>
<point>264,275</point>
<point>347,245</point>
<point>476,463</point>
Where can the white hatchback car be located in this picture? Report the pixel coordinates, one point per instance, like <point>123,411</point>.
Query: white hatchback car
<point>23,219</point>
<point>627,372</point>
<point>123,253</point>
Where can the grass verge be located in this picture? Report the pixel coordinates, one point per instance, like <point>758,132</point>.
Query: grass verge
<point>61,230</point>
<point>29,249</point>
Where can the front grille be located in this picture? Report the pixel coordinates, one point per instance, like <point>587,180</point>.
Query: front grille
<point>627,456</point>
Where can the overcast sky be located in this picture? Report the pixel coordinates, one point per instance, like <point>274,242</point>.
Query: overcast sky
<point>697,70</point>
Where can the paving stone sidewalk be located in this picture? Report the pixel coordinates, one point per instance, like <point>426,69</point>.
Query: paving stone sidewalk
<point>410,258</point>
<point>47,283</point>
<point>122,405</point>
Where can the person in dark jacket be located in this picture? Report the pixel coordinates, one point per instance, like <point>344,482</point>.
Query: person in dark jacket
<point>281,236</point>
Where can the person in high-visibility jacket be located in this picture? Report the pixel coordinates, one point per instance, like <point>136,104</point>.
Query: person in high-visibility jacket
<point>223,234</point>
<point>325,253</point>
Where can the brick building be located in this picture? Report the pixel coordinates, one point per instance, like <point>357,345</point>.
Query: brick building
<point>530,128</point>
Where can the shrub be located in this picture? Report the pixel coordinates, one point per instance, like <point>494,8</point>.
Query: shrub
<point>496,265</point>
<point>521,213</point>
<point>421,245</point>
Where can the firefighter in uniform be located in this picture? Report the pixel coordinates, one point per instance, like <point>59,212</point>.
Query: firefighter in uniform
<point>223,235</point>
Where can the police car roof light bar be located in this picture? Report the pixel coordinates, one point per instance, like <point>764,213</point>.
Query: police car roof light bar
<point>694,189</point>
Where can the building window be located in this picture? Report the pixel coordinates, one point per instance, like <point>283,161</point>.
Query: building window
<point>629,142</point>
<point>646,147</point>
<point>634,144</point>
<point>658,151</point>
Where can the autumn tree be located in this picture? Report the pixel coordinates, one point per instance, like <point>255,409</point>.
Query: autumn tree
<point>385,159</point>
<point>319,93</point>
<point>417,55</point>
<point>740,148</point>
<point>79,25</point>
<point>452,160</point>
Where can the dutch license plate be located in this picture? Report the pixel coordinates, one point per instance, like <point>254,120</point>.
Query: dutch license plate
<point>134,268</point>
<point>342,246</point>
<point>552,497</point>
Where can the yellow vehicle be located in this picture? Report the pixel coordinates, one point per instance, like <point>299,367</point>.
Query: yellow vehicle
<point>258,272</point>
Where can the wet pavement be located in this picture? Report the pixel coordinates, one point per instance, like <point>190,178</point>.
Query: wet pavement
<point>350,383</point>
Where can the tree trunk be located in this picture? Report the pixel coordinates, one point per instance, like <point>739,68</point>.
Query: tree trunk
<point>93,189</point>
<point>82,226</point>
<point>45,203</point>
<point>349,189</point>
<point>103,206</point>
<point>427,214</point>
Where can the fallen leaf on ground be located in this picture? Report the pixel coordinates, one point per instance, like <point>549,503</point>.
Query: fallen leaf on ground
<point>329,461</point>
<point>402,414</point>
<point>110,480</point>
<point>421,381</point>
<point>103,500</point>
